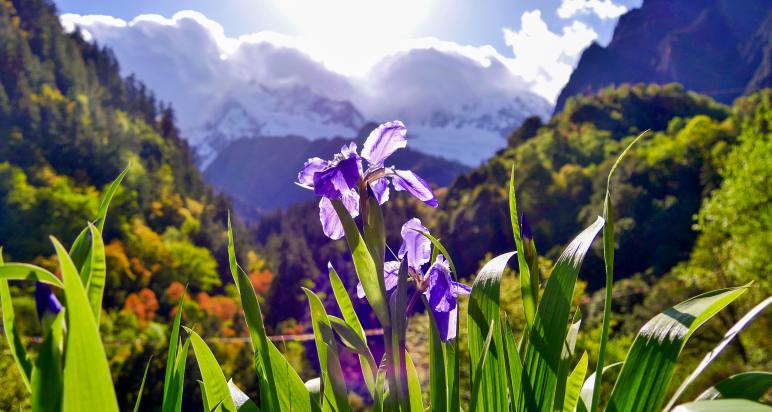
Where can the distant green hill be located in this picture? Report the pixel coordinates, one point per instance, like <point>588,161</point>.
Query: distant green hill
<point>560,170</point>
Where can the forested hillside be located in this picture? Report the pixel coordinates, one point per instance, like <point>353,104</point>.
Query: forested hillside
<point>69,124</point>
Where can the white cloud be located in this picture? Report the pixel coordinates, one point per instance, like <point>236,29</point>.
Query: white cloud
<point>188,60</point>
<point>543,57</point>
<point>604,9</point>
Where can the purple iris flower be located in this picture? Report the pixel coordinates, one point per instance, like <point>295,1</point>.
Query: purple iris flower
<point>343,176</point>
<point>45,301</point>
<point>437,285</point>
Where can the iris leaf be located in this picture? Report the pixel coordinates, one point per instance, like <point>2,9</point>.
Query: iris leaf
<point>88,384</point>
<point>746,385</point>
<point>488,368</point>
<point>546,338</point>
<point>214,385</point>
<point>18,352</point>
<point>728,337</point>
<point>650,363</point>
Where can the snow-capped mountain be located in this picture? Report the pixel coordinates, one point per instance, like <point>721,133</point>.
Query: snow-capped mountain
<point>254,111</point>
<point>468,132</point>
<point>471,132</point>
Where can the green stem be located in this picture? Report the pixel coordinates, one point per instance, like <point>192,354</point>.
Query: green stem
<point>608,257</point>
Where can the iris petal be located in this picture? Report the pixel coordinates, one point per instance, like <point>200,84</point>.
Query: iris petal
<point>313,165</point>
<point>383,141</point>
<point>380,189</point>
<point>390,277</point>
<point>331,225</point>
<point>415,185</point>
<point>415,246</point>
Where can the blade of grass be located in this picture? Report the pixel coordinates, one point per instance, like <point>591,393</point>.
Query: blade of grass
<point>414,386</point>
<point>722,405</point>
<point>574,384</point>
<point>649,365</point>
<point>16,347</point>
<point>608,259</point>
<point>372,283</point>
<point>546,338</point>
<point>88,384</point>
<point>25,271</point>
<point>169,397</point>
<point>214,384</point>
<point>484,311</point>
<point>477,376</point>
<point>333,384</point>
<point>97,270</point>
<point>366,360</point>
<point>745,385</point>
<point>569,347</point>
<point>281,389</point>
<point>47,375</point>
<point>529,287</point>
<point>728,337</point>
<point>142,385</point>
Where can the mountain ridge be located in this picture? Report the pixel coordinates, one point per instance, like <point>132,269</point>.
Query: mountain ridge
<point>689,42</point>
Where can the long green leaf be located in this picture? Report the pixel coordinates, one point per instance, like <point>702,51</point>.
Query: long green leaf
<point>519,385</point>
<point>142,385</point>
<point>88,384</point>
<point>15,345</point>
<point>414,386</point>
<point>47,375</point>
<point>170,389</point>
<point>372,283</point>
<point>723,405</point>
<point>566,357</point>
<point>281,389</point>
<point>649,365</point>
<point>97,272</point>
<point>80,247</point>
<point>746,385</point>
<point>24,271</point>
<point>546,338</point>
<point>484,311</point>
<point>529,287</point>
<point>574,384</point>
<point>608,259</point>
<point>334,385</point>
<point>397,353</point>
<point>438,381</point>
<point>477,376</point>
<point>366,360</point>
<point>215,387</point>
<point>728,337</point>
<point>178,381</point>
<point>375,235</point>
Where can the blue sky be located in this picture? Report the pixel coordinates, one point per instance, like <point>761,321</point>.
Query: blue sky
<point>470,22</point>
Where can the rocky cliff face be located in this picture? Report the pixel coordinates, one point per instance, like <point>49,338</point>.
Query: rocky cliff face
<point>720,48</point>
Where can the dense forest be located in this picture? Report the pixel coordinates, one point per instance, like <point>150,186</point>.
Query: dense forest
<point>69,124</point>
<point>692,205</point>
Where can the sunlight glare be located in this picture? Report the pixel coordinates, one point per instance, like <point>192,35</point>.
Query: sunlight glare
<point>350,35</point>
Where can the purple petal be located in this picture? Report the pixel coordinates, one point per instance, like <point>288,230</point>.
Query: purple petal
<point>390,276</point>
<point>380,188</point>
<point>415,245</point>
<point>446,323</point>
<point>461,289</point>
<point>331,225</point>
<point>440,287</point>
<point>332,182</point>
<point>46,301</point>
<point>383,141</point>
<point>415,185</point>
<point>312,166</point>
